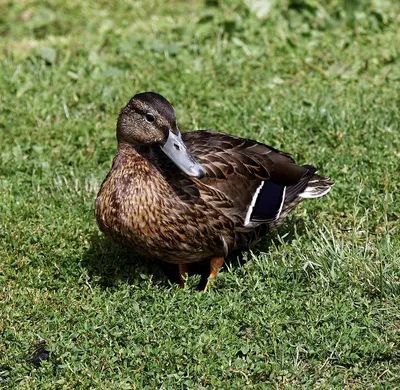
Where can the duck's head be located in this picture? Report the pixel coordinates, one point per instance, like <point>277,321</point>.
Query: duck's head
<point>149,119</point>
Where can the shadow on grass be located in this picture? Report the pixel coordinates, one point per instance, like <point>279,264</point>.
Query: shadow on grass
<point>109,263</point>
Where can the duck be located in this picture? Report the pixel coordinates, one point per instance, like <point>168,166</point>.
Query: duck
<point>186,197</point>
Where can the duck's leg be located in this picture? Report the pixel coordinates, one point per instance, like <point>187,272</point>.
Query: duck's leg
<point>215,265</point>
<point>182,274</point>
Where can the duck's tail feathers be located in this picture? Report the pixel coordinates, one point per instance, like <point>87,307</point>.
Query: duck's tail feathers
<point>317,186</point>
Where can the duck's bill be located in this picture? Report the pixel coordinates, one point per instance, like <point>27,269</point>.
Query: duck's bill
<point>176,150</point>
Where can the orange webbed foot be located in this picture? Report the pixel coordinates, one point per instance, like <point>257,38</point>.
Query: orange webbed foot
<point>215,264</point>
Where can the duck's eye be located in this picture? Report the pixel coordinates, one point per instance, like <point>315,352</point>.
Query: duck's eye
<point>150,117</point>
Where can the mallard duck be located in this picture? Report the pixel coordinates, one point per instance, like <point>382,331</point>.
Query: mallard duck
<point>197,195</point>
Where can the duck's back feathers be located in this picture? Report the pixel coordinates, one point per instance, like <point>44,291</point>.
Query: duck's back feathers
<point>263,183</point>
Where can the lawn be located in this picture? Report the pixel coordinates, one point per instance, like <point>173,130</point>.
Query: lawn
<point>316,305</point>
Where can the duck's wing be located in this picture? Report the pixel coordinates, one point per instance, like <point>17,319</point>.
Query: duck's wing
<point>257,178</point>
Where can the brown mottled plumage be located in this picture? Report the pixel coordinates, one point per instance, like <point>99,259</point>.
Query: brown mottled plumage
<point>182,206</point>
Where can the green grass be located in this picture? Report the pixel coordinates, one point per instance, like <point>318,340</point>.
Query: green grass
<point>316,306</point>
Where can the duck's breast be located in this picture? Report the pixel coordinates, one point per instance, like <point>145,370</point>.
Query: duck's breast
<point>131,198</point>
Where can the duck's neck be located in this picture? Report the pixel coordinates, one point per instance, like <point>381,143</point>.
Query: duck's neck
<point>145,151</point>
<point>138,159</point>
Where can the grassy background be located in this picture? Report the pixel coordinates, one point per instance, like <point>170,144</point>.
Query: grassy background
<point>317,306</point>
